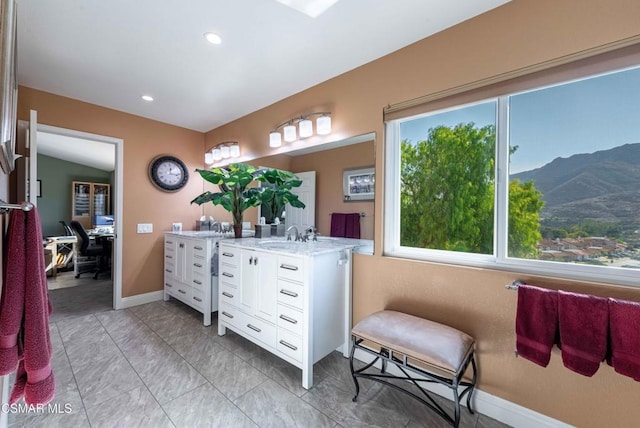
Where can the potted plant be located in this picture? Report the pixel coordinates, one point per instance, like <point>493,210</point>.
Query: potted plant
<point>235,193</point>
<point>277,194</point>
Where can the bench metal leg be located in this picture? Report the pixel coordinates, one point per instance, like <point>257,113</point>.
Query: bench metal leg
<point>425,397</point>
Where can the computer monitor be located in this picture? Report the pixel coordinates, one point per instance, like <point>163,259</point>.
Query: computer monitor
<point>103,220</point>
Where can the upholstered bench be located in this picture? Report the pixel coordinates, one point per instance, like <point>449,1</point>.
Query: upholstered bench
<point>435,352</point>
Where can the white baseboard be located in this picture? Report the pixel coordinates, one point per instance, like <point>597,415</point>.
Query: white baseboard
<point>141,299</point>
<point>495,407</point>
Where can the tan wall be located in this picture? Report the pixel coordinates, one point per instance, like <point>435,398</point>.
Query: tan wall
<point>142,202</point>
<point>519,34</point>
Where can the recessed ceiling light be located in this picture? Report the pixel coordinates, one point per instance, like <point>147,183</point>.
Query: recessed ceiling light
<point>147,98</point>
<point>213,38</point>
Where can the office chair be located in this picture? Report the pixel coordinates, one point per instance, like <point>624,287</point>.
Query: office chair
<point>97,255</point>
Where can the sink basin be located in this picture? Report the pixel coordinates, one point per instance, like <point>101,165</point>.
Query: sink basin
<point>275,245</point>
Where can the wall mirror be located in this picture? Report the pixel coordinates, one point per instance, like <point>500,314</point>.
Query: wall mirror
<point>330,162</point>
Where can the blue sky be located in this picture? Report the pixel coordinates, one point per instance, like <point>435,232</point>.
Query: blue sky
<point>583,117</point>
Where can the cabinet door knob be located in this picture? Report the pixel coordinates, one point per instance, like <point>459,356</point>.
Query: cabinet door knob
<point>181,245</point>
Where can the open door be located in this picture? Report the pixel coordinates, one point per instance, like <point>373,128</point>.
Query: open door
<point>303,218</point>
<point>27,167</point>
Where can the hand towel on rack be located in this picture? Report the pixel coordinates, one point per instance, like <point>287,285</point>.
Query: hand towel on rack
<point>536,323</point>
<point>12,302</point>
<point>34,377</point>
<point>338,225</point>
<point>584,323</point>
<point>624,318</point>
<point>352,225</point>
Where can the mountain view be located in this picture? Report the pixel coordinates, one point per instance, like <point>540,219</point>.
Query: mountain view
<point>600,188</point>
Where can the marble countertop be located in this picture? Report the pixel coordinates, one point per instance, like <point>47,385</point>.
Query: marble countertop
<point>281,245</point>
<point>209,234</point>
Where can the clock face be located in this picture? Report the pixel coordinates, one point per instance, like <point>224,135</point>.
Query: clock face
<point>168,173</point>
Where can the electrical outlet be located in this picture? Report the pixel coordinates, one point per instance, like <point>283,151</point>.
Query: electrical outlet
<point>145,228</point>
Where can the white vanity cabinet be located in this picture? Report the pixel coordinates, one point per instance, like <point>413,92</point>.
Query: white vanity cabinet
<point>295,306</point>
<point>188,274</point>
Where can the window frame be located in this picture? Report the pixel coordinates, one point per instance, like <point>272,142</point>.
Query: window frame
<point>499,260</point>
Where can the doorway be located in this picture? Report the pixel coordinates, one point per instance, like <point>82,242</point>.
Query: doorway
<point>85,144</point>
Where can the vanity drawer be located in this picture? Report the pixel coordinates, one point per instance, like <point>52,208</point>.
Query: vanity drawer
<point>229,274</point>
<point>289,318</point>
<point>229,256</point>
<point>229,314</point>
<point>290,268</point>
<point>169,267</point>
<point>290,293</point>
<point>259,329</point>
<point>198,249</point>
<point>197,300</point>
<point>198,265</point>
<point>181,292</point>
<point>228,294</point>
<point>170,286</point>
<point>289,344</point>
<point>199,281</point>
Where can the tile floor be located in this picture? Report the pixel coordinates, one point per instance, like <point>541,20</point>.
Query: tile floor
<point>156,365</point>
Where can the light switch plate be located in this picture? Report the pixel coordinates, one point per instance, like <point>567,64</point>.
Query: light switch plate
<point>145,228</point>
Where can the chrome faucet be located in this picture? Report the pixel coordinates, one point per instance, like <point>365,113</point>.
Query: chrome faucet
<point>216,226</point>
<point>311,231</point>
<point>297,235</point>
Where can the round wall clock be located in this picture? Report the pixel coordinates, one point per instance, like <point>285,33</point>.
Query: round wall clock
<point>168,173</point>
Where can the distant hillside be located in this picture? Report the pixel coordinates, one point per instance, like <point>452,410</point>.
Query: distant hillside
<point>603,186</point>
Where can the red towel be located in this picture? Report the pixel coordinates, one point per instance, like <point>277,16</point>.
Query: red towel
<point>34,377</point>
<point>338,225</point>
<point>12,302</point>
<point>536,323</point>
<point>584,323</point>
<point>624,319</point>
<point>352,225</point>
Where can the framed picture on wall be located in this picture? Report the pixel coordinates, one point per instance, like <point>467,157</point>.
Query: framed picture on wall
<point>359,184</point>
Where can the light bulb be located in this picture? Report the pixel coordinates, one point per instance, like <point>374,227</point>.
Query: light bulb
<point>323,125</point>
<point>275,139</point>
<point>217,154</point>
<point>225,152</point>
<point>289,133</point>
<point>235,150</point>
<point>208,158</point>
<point>305,127</point>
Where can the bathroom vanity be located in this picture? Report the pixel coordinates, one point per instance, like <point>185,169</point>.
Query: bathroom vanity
<point>291,298</point>
<point>190,269</point>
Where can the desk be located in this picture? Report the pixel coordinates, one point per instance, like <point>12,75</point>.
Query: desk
<point>52,244</point>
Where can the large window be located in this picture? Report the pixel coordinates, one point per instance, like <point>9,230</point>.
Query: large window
<point>545,180</point>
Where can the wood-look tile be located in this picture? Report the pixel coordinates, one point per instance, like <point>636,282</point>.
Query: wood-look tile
<point>270,405</point>
<point>206,406</point>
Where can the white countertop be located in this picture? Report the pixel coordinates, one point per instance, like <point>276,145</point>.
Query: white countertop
<point>309,248</point>
<point>209,234</point>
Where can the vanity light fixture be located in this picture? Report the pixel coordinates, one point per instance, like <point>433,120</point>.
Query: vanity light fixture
<point>222,151</point>
<point>304,128</point>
